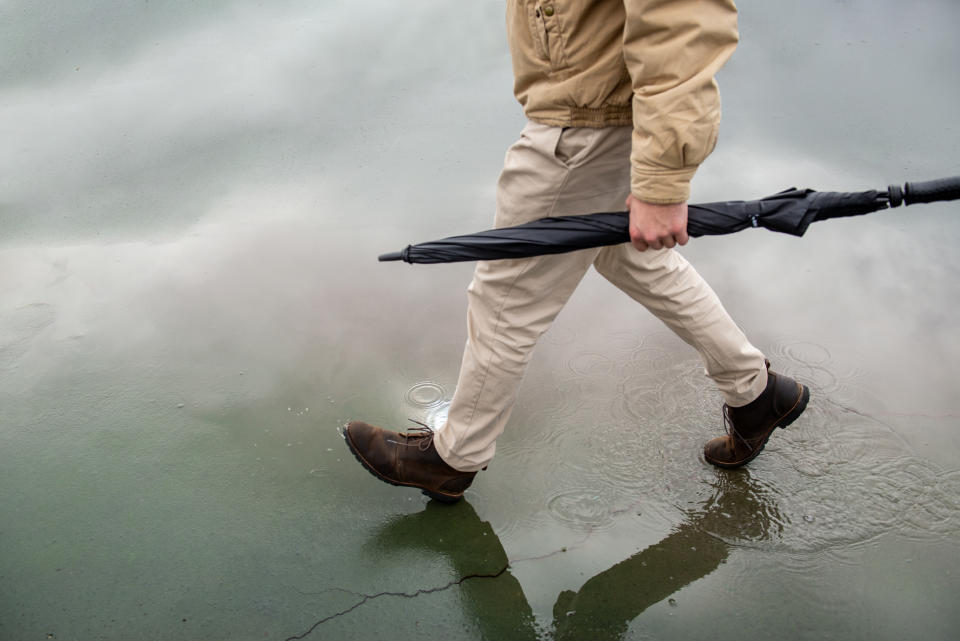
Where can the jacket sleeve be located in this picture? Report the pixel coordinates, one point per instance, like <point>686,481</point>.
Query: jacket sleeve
<point>673,49</point>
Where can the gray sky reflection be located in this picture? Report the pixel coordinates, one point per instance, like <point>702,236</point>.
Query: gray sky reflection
<point>141,129</point>
<point>155,123</point>
<point>864,85</point>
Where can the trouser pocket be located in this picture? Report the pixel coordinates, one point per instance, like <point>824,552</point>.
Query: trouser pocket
<point>573,145</point>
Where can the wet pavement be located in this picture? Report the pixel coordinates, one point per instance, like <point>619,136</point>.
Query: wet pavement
<point>192,203</point>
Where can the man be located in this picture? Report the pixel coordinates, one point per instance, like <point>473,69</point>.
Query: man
<point>622,106</point>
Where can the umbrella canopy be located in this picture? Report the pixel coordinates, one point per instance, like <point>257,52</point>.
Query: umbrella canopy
<point>789,212</point>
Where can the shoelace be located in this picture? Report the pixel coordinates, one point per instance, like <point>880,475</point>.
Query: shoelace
<point>424,433</point>
<point>728,425</point>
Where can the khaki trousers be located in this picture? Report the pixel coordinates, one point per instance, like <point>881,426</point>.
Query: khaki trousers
<point>553,171</point>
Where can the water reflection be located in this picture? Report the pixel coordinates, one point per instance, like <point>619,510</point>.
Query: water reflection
<point>607,603</point>
<point>493,599</point>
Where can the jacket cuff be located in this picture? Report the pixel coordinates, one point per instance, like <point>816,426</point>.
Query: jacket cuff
<point>660,186</point>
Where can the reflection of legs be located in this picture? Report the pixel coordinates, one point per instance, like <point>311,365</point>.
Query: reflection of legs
<point>608,602</point>
<point>492,597</point>
<point>605,605</point>
<point>549,172</point>
<point>666,284</point>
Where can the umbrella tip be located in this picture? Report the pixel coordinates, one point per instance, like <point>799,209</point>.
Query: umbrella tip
<point>390,256</point>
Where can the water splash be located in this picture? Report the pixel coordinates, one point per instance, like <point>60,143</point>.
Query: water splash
<point>582,510</point>
<point>425,394</point>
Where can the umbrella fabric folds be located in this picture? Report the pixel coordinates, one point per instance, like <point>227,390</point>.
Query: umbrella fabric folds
<point>789,212</point>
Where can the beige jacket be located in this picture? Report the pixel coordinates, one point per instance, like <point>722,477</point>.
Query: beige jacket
<point>649,63</point>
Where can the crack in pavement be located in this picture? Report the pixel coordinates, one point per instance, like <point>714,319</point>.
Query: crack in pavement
<point>408,595</point>
<point>364,598</point>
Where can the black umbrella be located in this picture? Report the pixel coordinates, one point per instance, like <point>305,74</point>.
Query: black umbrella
<point>790,212</point>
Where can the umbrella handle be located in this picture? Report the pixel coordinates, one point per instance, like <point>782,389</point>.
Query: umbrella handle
<point>926,192</point>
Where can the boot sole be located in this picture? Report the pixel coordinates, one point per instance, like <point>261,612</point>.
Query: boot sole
<point>436,496</point>
<point>785,420</point>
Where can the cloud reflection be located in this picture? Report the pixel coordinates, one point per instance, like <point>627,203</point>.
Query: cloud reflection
<point>171,110</point>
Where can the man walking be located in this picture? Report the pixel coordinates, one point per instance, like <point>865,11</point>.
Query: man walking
<point>622,106</point>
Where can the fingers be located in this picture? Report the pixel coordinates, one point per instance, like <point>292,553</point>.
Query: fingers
<point>664,242</point>
<point>676,235</point>
<point>643,243</point>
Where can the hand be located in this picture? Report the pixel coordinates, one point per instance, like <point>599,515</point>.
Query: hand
<point>657,226</point>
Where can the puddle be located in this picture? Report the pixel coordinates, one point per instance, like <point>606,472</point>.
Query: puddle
<point>192,311</point>
<point>838,477</point>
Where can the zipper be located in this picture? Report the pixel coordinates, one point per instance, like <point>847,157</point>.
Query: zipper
<point>541,36</point>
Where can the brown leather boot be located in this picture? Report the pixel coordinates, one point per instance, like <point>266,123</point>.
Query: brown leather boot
<point>408,459</point>
<point>749,427</point>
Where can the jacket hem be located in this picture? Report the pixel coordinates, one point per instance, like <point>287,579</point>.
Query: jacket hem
<point>597,117</point>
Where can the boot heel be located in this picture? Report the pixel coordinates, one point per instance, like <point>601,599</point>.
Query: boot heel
<point>797,410</point>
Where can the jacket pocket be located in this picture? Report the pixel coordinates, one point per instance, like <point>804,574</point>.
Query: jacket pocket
<point>538,31</point>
